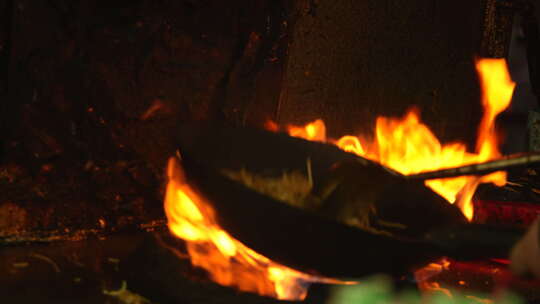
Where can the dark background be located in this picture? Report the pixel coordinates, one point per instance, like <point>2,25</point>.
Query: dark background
<point>93,91</point>
<point>96,90</point>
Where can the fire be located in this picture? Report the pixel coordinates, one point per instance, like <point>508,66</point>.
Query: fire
<point>228,261</point>
<point>424,277</point>
<point>404,144</point>
<point>315,131</point>
<point>432,287</point>
<point>408,146</point>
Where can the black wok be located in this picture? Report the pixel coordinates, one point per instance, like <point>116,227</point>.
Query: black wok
<point>313,243</point>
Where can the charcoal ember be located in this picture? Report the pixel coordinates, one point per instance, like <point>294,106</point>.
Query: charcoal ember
<point>66,196</point>
<point>487,277</point>
<point>499,212</point>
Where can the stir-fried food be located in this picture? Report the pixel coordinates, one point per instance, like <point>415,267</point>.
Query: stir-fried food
<point>292,188</point>
<point>331,198</point>
<point>359,194</point>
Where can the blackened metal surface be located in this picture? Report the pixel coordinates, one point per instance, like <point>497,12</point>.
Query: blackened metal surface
<point>497,28</point>
<point>351,61</point>
<point>290,235</point>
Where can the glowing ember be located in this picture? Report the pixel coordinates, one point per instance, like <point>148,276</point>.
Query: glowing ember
<point>432,287</point>
<point>408,146</point>
<point>424,278</point>
<point>227,261</point>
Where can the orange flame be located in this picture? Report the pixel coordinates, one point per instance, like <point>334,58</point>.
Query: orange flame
<point>315,131</point>
<point>424,277</point>
<point>404,144</point>
<point>228,261</point>
<point>433,287</point>
<point>409,146</point>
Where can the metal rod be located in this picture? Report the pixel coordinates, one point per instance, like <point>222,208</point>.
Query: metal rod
<point>505,163</point>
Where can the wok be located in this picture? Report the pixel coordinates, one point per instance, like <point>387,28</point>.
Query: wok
<point>316,244</point>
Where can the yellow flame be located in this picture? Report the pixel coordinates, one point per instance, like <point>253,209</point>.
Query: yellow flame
<point>408,146</point>
<point>315,131</point>
<point>228,261</point>
<point>404,144</point>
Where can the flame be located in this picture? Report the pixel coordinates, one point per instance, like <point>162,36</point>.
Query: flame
<point>433,287</point>
<point>404,144</point>
<point>408,146</point>
<point>424,276</point>
<point>228,261</point>
<point>315,131</point>
<point>157,106</point>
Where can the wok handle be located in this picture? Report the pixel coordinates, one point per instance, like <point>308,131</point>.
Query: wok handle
<point>504,163</point>
<point>475,241</point>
